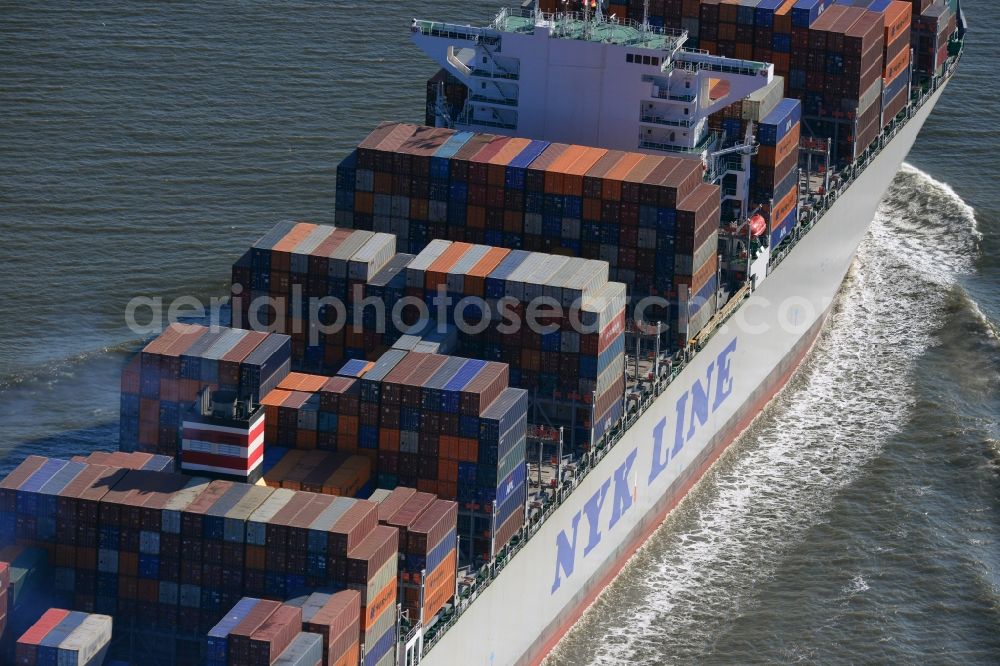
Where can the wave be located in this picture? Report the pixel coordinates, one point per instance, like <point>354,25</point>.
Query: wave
<point>54,370</point>
<point>701,570</point>
<point>66,367</point>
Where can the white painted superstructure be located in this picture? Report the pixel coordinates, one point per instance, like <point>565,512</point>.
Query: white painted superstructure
<point>588,80</point>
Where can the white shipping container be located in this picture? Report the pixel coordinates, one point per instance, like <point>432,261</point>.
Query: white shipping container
<point>406,342</point>
<point>455,278</point>
<point>300,255</point>
<point>170,516</point>
<point>514,286</point>
<point>418,267</point>
<point>87,643</point>
<point>763,101</point>
<point>535,284</point>
<point>341,255</point>
<point>331,514</point>
<point>591,275</point>
<point>372,256</point>
<point>561,278</point>
<point>257,522</point>
<point>601,307</point>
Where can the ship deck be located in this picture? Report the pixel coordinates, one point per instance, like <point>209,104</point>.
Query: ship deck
<point>581,27</point>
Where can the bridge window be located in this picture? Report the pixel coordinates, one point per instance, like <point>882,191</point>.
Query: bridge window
<point>642,59</point>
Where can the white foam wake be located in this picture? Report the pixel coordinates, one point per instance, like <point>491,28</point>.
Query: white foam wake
<point>702,567</point>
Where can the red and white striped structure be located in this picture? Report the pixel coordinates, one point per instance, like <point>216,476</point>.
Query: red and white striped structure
<point>226,447</point>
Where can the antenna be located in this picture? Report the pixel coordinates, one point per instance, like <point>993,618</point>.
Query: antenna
<point>645,15</point>
<point>538,11</point>
<point>599,14</point>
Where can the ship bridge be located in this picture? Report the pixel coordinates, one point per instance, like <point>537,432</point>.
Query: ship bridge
<point>588,79</point>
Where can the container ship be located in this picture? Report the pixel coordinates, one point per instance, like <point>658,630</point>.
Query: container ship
<point>537,320</point>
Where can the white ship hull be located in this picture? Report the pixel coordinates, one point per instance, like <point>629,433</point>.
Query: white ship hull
<point>545,588</point>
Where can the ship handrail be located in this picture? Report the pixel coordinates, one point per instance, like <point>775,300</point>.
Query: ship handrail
<point>721,316</point>
<point>592,458</point>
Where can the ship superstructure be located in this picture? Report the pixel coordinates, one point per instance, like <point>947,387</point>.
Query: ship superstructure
<point>587,79</point>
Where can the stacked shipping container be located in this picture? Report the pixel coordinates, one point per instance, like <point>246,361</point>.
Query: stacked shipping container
<point>165,550</point>
<point>423,183</point>
<point>274,282</point>
<point>445,425</point>
<point>65,637</point>
<point>336,619</point>
<point>134,460</point>
<point>843,89</point>
<point>933,25</point>
<point>165,380</point>
<point>429,558</point>
<point>897,68</point>
<point>559,360</point>
<point>258,632</point>
<point>323,472</point>
<point>775,174</point>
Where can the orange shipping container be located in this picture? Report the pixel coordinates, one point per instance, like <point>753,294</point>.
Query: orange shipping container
<point>785,206</point>
<point>255,557</point>
<point>381,604</point>
<point>611,188</point>
<point>468,449</point>
<point>774,155</point>
<point>898,66</point>
<point>897,20</point>
<point>441,590</point>
<point>574,172</point>
<point>388,439</point>
<point>476,277</point>
<point>436,272</point>
<point>349,658</point>
<point>475,217</point>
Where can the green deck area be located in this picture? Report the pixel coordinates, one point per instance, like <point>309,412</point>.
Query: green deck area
<point>573,27</point>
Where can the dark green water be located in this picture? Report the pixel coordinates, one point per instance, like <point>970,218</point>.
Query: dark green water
<point>142,146</point>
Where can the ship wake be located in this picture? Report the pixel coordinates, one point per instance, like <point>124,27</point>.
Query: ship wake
<point>700,571</point>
